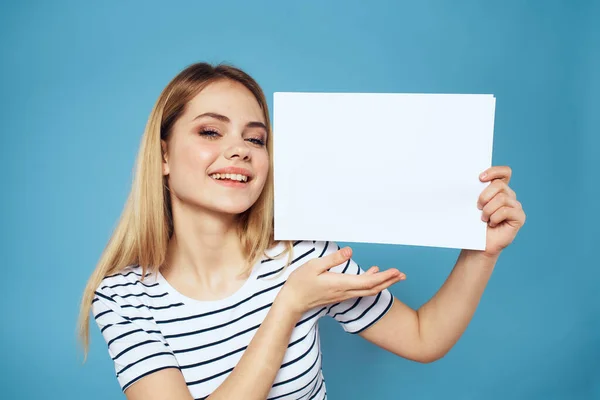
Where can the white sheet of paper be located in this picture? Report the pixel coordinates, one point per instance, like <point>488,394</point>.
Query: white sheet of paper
<point>387,168</point>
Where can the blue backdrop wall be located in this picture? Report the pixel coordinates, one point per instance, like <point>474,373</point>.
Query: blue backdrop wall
<point>78,80</point>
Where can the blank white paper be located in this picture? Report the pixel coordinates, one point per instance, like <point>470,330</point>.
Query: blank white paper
<point>382,167</point>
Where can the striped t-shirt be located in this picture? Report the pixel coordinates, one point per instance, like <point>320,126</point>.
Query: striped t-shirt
<point>149,326</point>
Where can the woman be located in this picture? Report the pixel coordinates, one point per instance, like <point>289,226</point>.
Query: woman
<point>196,300</point>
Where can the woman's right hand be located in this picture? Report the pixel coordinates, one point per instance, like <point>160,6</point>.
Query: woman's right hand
<point>312,285</point>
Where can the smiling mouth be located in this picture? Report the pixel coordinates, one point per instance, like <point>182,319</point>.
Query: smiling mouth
<point>231,178</point>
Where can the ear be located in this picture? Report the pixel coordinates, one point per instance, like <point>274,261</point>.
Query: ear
<point>165,163</point>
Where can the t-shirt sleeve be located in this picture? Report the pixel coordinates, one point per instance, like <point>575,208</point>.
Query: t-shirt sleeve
<point>357,314</point>
<point>135,348</point>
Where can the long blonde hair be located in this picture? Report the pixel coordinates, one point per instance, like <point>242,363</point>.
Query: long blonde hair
<point>145,226</point>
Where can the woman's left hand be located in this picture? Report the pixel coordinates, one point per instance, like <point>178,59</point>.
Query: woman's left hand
<point>500,209</point>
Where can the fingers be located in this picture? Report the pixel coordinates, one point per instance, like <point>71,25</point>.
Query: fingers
<point>372,292</point>
<point>513,216</point>
<point>372,270</point>
<point>503,173</point>
<point>347,282</point>
<point>499,201</point>
<point>333,259</point>
<point>377,288</point>
<point>496,187</point>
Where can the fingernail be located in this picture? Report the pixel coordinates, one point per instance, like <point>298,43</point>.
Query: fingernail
<point>479,206</point>
<point>483,175</point>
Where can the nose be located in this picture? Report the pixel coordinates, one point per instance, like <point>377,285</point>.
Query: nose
<point>239,149</point>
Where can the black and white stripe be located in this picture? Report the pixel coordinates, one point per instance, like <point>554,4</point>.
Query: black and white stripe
<point>148,326</point>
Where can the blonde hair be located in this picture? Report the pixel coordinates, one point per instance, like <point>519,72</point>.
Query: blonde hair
<point>145,226</point>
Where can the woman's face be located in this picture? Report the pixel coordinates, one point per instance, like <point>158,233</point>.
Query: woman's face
<point>216,156</point>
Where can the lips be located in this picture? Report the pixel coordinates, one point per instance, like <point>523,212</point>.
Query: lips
<point>230,177</point>
<point>233,171</point>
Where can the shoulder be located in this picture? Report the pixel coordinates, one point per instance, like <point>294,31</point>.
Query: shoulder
<point>314,248</point>
<point>128,288</point>
<point>125,310</point>
<point>318,249</point>
<point>299,248</point>
<point>130,279</point>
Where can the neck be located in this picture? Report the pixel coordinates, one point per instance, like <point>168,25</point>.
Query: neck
<point>204,247</point>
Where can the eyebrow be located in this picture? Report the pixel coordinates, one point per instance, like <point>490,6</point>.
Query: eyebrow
<point>251,124</point>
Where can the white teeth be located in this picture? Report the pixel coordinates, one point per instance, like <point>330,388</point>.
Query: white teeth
<point>233,177</point>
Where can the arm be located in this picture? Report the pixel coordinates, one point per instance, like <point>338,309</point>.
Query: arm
<point>252,377</point>
<point>430,332</point>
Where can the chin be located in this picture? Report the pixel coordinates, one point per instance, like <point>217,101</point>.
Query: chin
<point>233,210</point>
<point>230,209</point>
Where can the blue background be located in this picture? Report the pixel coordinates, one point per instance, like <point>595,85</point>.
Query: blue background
<point>78,80</point>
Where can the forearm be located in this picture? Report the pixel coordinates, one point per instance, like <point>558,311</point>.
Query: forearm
<point>444,318</point>
<point>253,376</point>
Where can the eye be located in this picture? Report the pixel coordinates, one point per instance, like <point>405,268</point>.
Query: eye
<point>209,133</point>
<point>257,141</point>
